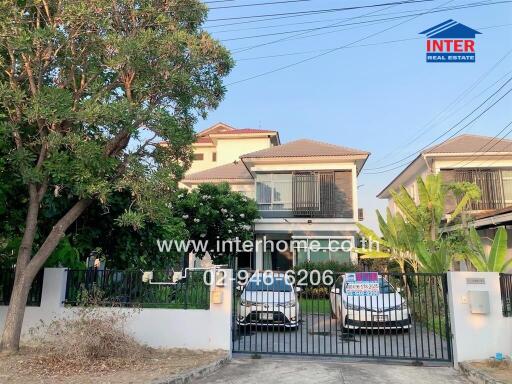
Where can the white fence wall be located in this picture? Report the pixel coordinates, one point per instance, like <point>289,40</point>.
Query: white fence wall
<point>477,336</point>
<point>159,328</point>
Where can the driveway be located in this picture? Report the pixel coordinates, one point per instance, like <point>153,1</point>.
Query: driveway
<point>321,335</point>
<point>302,371</point>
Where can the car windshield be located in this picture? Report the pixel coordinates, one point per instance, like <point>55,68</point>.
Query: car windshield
<point>384,286</point>
<point>262,284</point>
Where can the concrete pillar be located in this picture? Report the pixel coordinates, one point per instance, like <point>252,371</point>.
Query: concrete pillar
<point>54,288</point>
<point>477,336</point>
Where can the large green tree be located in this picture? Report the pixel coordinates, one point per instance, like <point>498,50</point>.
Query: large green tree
<point>87,90</point>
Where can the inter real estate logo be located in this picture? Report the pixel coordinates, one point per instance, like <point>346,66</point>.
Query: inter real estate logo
<point>450,42</point>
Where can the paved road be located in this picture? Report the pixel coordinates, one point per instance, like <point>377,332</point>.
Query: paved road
<point>300,371</point>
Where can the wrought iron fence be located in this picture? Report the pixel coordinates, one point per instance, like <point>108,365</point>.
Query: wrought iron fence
<point>406,320</point>
<point>7,283</point>
<point>125,288</point>
<point>506,293</point>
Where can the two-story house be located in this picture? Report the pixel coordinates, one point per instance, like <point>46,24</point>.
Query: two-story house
<point>306,190</point>
<point>485,161</point>
<point>222,144</point>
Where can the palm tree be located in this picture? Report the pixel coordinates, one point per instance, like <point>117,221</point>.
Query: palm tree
<point>397,243</point>
<point>427,215</point>
<point>496,260</point>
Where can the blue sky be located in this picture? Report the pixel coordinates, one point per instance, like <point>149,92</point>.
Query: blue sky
<point>377,97</point>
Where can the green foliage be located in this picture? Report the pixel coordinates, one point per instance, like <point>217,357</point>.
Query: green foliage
<point>212,212</point>
<point>427,215</point>
<point>496,260</point>
<point>416,238</point>
<point>397,244</point>
<point>323,266</point>
<point>65,255</point>
<point>435,256</point>
<point>88,92</point>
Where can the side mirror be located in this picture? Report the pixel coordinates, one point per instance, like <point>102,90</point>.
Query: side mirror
<point>398,290</point>
<point>337,290</point>
<point>298,289</point>
<point>239,287</point>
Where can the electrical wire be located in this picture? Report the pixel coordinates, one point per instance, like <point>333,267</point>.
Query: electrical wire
<point>332,50</point>
<point>431,122</point>
<point>456,132</point>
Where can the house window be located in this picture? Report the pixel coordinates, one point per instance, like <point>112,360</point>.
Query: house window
<point>507,185</point>
<point>198,156</point>
<point>322,250</point>
<point>214,156</point>
<point>274,191</point>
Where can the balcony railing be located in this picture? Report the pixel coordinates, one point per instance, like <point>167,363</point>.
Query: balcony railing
<point>306,194</point>
<point>493,184</point>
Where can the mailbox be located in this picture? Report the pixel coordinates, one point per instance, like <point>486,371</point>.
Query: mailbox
<point>479,302</point>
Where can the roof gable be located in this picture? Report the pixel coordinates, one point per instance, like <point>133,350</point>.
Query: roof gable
<point>231,171</point>
<point>216,128</point>
<point>470,144</point>
<point>450,29</point>
<point>305,148</point>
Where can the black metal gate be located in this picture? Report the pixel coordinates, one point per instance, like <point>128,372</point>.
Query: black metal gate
<point>312,314</point>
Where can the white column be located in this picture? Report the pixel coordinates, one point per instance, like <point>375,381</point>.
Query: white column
<point>477,336</point>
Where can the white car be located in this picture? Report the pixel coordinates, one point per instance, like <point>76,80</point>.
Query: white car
<point>388,310</point>
<point>268,300</point>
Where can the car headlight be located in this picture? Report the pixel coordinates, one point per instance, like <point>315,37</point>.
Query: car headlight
<point>352,306</point>
<point>287,304</point>
<point>399,307</point>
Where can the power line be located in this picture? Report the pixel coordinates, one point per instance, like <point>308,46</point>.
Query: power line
<point>260,4</point>
<point>305,33</point>
<point>353,46</point>
<point>479,153</point>
<point>316,11</point>
<point>335,25</point>
<point>463,6</point>
<point>459,98</point>
<point>259,20</point>
<point>308,35</point>
<point>456,132</point>
<point>332,50</point>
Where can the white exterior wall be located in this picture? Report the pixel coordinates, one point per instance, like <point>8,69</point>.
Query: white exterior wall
<point>207,162</point>
<point>247,189</point>
<point>157,328</point>
<point>229,150</point>
<point>477,336</point>
<point>471,162</point>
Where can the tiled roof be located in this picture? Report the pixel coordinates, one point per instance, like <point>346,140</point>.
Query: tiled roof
<point>244,130</point>
<point>231,171</point>
<point>470,144</point>
<point>305,148</point>
<point>204,139</point>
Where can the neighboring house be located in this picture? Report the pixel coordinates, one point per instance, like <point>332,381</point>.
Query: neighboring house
<point>306,190</point>
<point>222,144</point>
<point>483,160</point>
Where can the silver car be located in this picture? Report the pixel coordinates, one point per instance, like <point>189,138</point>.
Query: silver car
<point>268,300</point>
<point>388,310</point>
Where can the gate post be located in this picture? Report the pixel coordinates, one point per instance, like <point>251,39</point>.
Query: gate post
<point>221,303</point>
<point>477,335</point>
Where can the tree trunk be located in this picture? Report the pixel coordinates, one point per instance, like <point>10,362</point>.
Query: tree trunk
<point>14,320</point>
<point>25,275</point>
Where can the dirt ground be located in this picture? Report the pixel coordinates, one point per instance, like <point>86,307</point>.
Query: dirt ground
<point>500,371</point>
<point>30,367</point>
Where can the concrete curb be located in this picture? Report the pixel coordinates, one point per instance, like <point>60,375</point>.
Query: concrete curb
<point>476,376</point>
<point>196,373</point>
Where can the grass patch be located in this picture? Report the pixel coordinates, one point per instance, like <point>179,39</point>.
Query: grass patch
<point>315,305</point>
